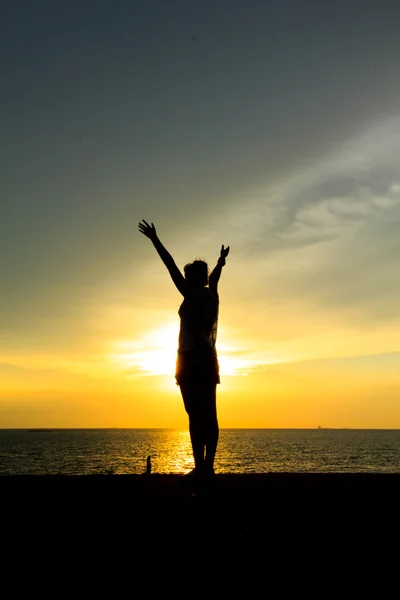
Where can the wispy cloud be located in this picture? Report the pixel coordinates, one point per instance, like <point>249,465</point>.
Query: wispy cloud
<point>327,200</point>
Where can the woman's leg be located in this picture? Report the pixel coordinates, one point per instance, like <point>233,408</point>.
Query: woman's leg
<point>192,399</point>
<point>211,433</point>
<point>201,406</point>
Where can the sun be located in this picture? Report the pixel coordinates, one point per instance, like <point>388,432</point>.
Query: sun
<point>153,354</point>
<point>160,358</point>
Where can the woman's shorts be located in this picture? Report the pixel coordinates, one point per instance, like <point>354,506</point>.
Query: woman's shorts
<point>194,366</point>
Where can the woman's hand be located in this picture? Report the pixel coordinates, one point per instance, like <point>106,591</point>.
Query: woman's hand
<point>148,230</point>
<point>224,252</point>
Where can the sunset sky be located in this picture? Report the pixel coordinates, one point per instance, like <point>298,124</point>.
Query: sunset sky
<point>272,127</point>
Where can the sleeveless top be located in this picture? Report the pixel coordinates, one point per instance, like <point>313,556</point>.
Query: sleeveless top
<point>199,321</point>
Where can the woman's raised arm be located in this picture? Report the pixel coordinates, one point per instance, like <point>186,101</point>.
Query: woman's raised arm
<point>150,231</point>
<point>216,272</point>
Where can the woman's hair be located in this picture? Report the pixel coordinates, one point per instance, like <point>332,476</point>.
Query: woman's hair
<point>196,273</point>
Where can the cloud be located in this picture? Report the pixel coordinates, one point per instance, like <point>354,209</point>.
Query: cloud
<point>330,233</point>
<point>9,369</point>
<point>330,199</point>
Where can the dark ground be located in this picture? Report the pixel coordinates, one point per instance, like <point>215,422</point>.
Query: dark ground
<point>284,530</point>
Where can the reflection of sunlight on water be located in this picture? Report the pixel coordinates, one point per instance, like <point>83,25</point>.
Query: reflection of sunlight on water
<point>100,451</point>
<point>176,455</point>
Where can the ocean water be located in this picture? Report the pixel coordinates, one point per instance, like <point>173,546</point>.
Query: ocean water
<point>125,451</point>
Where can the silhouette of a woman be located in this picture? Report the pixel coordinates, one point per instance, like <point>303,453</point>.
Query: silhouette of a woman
<point>197,368</point>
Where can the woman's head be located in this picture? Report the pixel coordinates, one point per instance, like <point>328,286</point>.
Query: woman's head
<point>196,273</point>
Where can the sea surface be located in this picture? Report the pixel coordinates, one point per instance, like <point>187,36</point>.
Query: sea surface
<point>125,451</point>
